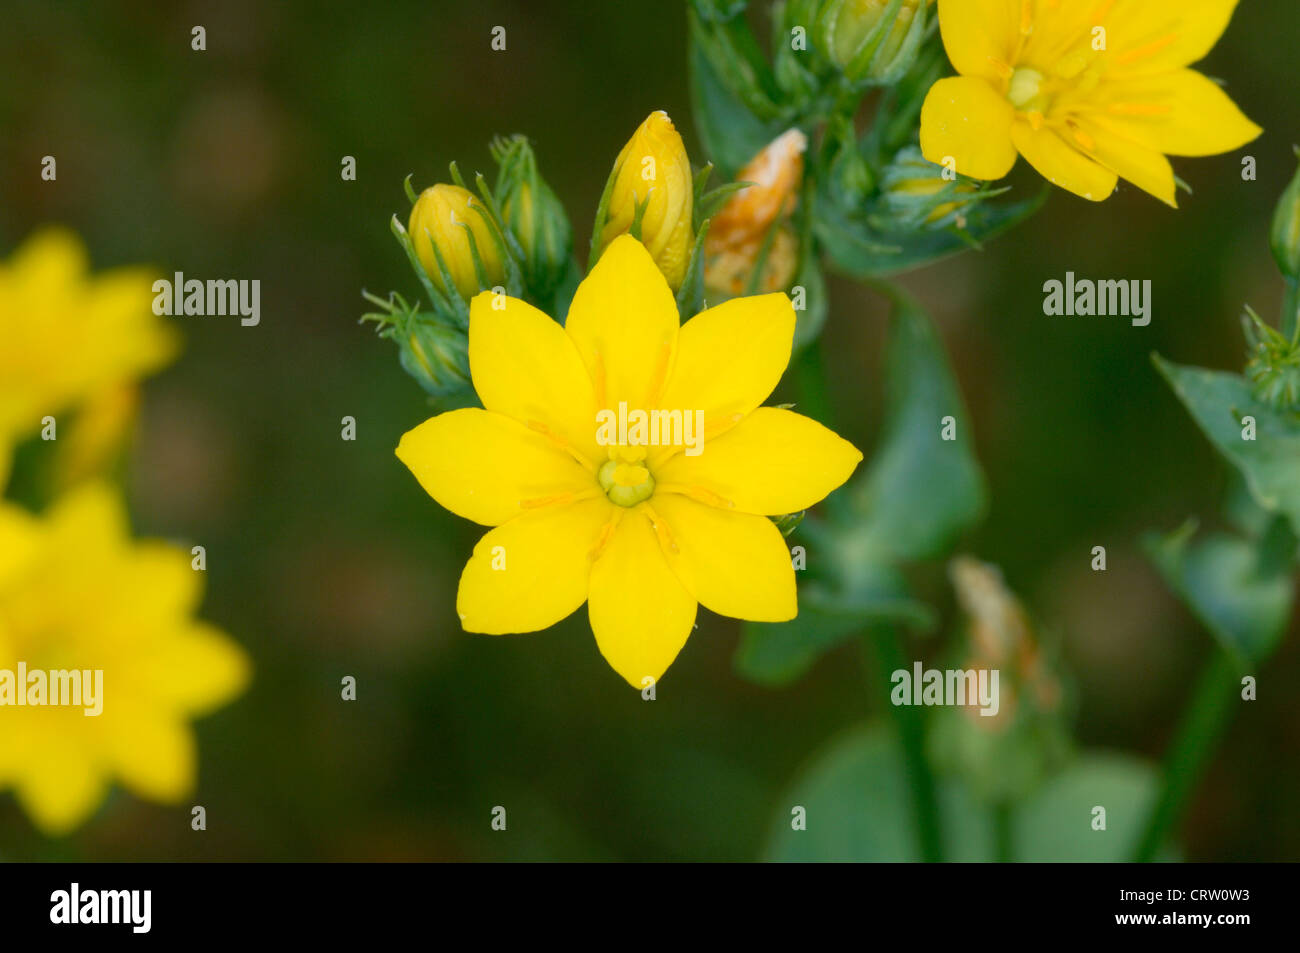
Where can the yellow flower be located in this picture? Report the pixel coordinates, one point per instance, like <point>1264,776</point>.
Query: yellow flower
<point>640,533</point>
<point>653,169</point>
<point>76,593</point>
<point>66,337</point>
<point>1088,91</point>
<point>439,218</point>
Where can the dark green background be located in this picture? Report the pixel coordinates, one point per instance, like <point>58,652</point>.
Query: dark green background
<point>326,559</point>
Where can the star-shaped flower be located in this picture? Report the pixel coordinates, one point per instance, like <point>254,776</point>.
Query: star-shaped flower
<point>1088,91</point>
<point>642,532</point>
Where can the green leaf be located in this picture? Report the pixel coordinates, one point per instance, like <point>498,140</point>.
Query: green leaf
<point>1238,589</point>
<point>1219,402</point>
<point>921,491</point>
<point>730,132</point>
<point>858,806</point>
<point>861,243</point>
<point>1056,824</point>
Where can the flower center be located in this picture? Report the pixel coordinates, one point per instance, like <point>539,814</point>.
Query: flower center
<point>1026,90</point>
<point>626,484</point>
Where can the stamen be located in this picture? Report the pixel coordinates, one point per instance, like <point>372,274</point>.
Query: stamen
<point>538,427</point>
<point>660,376</point>
<point>598,379</point>
<point>1004,70</point>
<point>571,496</point>
<point>606,533</point>
<point>699,494</point>
<point>662,532</point>
<point>1155,46</point>
<point>1138,109</point>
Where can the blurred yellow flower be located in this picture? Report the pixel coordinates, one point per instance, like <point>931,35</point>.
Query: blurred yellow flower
<point>447,217</point>
<point>653,170</point>
<point>77,593</point>
<point>68,336</point>
<point>1087,92</point>
<point>641,532</point>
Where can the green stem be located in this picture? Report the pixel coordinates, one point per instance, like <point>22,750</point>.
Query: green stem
<point>1202,727</point>
<point>911,732</point>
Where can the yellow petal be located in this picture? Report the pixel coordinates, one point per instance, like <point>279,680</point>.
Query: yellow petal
<point>624,321</point>
<point>156,587</point>
<point>486,467</point>
<point>63,786</point>
<point>772,462</point>
<point>640,612</point>
<point>735,564</point>
<point>532,572</point>
<point>193,671</point>
<point>980,36</point>
<point>967,121</point>
<point>93,514</point>
<point>152,752</point>
<point>730,359</point>
<point>1151,36</point>
<point>1062,164</point>
<point>1145,168</point>
<point>53,257</point>
<point>1180,114</point>
<point>526,367</point>
<point>19,540</point>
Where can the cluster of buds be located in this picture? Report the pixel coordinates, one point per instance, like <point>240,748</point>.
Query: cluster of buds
<point>534,217</point>
<point>514,239</point>
<point>1274,365</point>
<point>751,246</point>
<point>873,41</point>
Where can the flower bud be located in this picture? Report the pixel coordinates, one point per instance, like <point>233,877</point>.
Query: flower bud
<point>435,354</point>
<point>652,171</point>
<point>1274,365</point>
<point>868,41</point>
<point>916,195</point>
<point>534,216</point>
<point>738,232</point>
<point>1286,230</point>
<point>777,174</point>
<point>728,269</point>
<point>450,219</point>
